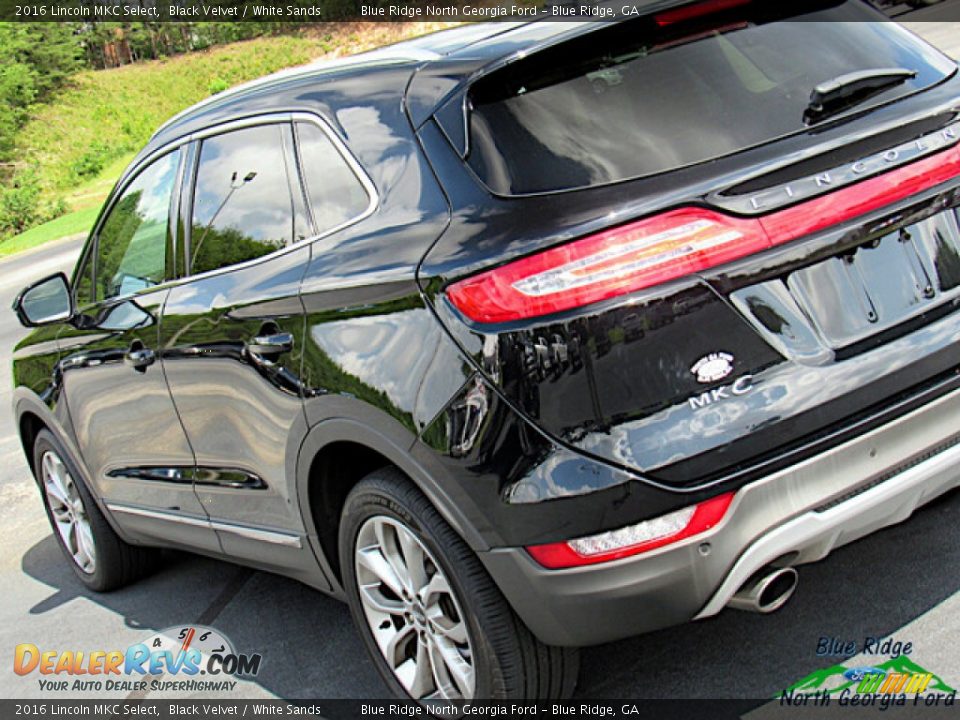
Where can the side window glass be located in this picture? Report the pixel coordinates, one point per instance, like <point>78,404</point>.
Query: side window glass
<point>83,284</point>
<point>243,207</point>
<point>335,192</point>
<point>132,248</point>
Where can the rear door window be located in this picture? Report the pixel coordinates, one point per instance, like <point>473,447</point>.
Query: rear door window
<point>658,93</point>
<point>335,192</point>
<point>247,199</point>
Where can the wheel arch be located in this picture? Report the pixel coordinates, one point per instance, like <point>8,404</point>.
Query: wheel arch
<point>339,452</point>
<point>32,415</point>
<point>29,425</point>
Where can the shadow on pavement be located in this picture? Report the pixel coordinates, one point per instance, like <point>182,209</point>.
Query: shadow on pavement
<point>311,649</point>
<point>308,641</point>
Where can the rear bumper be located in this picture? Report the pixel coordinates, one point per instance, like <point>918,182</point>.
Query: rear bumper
<point>795,516</point>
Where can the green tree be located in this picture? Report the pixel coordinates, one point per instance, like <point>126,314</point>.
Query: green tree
<point>35,60</point>
<point>19,202</point>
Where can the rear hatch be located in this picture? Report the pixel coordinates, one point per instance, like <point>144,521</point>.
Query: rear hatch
<point>706,242</point>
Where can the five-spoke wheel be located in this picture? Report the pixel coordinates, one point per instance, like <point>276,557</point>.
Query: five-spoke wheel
<point>412,612</point>
<point>436,625</point>
<point>69,514</point>
<point>99,557</point>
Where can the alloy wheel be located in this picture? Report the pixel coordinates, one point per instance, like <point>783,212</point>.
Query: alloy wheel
<point>69,514</point>
<point>412,612</point>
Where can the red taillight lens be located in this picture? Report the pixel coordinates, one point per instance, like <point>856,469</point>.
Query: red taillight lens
<point>615,262</point>
<point>665,247</point>
<point>696,10</point>
<point>634,539</point>
<point>862,198</point>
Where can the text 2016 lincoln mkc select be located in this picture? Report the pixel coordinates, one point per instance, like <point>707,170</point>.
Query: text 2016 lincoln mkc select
<point>520,338</point>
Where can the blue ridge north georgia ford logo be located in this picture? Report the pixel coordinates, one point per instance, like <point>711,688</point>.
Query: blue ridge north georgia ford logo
<point>713,367</point>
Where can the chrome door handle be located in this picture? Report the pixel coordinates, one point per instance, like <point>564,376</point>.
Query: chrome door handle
<point>274,344</point>
<point>140,358</point>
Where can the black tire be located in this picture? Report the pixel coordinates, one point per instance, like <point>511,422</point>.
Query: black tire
<point>117,563</point>
<point>509,662</point>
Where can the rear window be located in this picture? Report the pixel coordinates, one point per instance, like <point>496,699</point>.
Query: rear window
<point>658,93</point>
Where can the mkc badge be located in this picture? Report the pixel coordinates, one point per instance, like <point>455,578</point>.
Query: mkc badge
<point>740,386</point>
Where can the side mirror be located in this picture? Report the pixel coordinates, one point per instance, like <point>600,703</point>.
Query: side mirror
<point>45,302</point>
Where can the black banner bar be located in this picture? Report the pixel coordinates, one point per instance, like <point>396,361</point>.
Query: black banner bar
<point>114,709</point>
<point>720,709</point>
<point>164,11</point>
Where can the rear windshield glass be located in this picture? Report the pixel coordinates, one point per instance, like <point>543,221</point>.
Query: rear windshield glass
<point>658,93</point>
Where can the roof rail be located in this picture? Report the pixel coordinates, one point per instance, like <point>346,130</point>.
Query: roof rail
<point>320,68</point>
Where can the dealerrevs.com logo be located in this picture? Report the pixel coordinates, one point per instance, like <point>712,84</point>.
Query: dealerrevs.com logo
<point>188,658</point>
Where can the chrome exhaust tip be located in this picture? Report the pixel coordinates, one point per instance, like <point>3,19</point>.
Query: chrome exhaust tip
<point>767,591</point>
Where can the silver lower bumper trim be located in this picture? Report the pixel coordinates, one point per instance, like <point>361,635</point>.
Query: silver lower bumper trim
<point>814,534</point>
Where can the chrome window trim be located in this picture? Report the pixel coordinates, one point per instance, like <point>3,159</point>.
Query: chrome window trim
<point>220,129</point>
<point>290,117</point>
<point>274,537</point>
<point>358,172</point>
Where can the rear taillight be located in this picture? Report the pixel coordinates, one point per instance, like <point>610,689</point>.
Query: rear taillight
<point>669,246</point>
<point>615,262</point>
<point>862,198</point>
<point>634,539</point>
<point>697,10</point>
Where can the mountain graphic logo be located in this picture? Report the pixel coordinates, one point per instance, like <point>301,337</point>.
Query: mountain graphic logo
<point>837,678</point>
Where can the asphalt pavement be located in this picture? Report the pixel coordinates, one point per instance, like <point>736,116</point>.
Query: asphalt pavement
<point>900,582</point>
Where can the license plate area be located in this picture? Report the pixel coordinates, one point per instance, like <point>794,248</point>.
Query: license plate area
<point>881,284</point>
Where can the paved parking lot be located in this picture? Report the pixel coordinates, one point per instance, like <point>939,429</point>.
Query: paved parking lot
<point>902,581</point>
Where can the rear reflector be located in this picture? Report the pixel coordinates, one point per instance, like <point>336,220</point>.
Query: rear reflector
<point>675,244</point>
<point>615,262</point>
<point>634,539</point>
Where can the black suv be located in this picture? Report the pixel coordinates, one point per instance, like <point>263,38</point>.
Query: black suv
<point>520,339</point>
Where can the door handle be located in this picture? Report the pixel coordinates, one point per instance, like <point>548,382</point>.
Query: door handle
<point>140,358</point>
<point>273,344</point>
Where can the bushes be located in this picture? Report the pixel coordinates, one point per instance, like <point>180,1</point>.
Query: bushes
<point>35,60</point>
<point>217,85</point>
<point>90,164</point>
<point>19,203</point>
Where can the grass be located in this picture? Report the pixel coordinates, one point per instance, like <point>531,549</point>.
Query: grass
<point>85,200</point>
<point>70,224</point>
<point>93,192</point>
<point>80,142</point>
